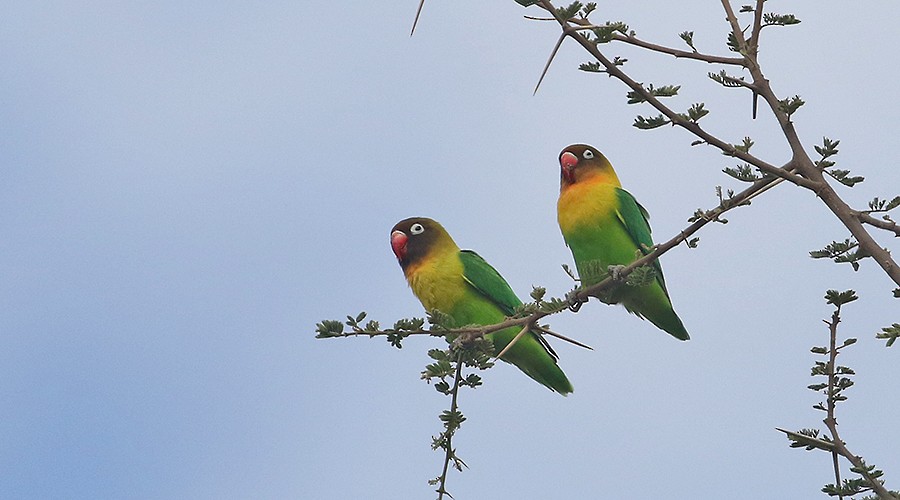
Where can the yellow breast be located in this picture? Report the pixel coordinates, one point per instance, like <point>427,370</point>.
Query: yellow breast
<point>588,201</point>
<point>437,281</point>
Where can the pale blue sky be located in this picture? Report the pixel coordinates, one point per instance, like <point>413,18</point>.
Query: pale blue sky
<point>186,189</point>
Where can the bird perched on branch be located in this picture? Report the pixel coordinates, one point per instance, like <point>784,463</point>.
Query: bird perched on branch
<point>462,285</point>
<point>605,226</point>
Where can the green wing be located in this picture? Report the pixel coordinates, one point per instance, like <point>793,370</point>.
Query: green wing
<point>488,282</point>
<point>484,278</point>
<point>636,221</point>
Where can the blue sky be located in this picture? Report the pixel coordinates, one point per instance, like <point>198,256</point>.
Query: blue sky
<point>187,189</point>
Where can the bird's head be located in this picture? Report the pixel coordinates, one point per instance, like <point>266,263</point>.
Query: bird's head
<point>414,239</point>
<point>580,161</point>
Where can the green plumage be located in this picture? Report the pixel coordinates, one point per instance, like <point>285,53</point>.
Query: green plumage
<point>489,300</point>
<point>463,286</point>
<point>605,226</point>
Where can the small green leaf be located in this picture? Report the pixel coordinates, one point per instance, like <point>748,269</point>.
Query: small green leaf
<point>828,148</point>
<point>604,34</point>
<point>591,67</point>
<point>688,37</point>
<point>650,123</point>
<point>695,112</point>
<point>329,328</point>
<point>840,298</point>
<point>744,173</point>
<point>790,105</point>
<point>844,177</point>
<point>726,80</point>
<point>587,9</point>
<point>841,252</point>
<point>889,333</point>
<point>732,42</point>
<point>570,11</point>
<point>770,19</point>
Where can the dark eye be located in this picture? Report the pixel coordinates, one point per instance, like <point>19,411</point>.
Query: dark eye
<point>416,228</point>
<point>588,154</point>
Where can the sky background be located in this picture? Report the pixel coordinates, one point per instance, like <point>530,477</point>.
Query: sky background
<point>186,189</point>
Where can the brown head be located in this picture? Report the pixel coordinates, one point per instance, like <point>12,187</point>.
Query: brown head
<point>580,162</point>
<point>417,238</point>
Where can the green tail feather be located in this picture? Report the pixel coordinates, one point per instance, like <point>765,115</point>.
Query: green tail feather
<point>652,303</point>
<point>530,356</point>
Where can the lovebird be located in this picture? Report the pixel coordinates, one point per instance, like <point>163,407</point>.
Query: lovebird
<point>462,285</point>
<point>605,226</point>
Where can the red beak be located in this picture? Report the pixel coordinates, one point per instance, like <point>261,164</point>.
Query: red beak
<point>398,244</point>
<point>567,163</point>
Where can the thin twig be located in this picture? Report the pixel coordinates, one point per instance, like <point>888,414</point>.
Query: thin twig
<point>453,407</point>
<point>678,53</point>
<point>840,448</point>
<point>887,225</point>
<point>832,378</point>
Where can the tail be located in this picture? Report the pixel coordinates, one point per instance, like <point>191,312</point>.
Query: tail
<point>669,322</point>
<point>653,304</point>
<point>534,359</point>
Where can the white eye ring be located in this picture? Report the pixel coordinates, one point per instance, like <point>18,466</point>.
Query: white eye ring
<point>416,228</point>
<point>588,154</point>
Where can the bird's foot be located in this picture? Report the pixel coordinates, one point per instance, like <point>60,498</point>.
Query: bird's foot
<point>615,272</point>
<point>573,301</point>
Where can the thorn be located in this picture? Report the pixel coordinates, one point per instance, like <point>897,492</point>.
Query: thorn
<point>416,21</point>
<point>549,60</point>
<point>567,339</point>
<point>512,342</point>
<point>755,99</point>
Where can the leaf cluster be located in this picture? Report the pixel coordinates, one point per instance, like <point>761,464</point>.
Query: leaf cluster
<point>402,328</point>
<point>878,205</point>
<point>859,485</point>
<point>889,333</point>
<point>841,252</point>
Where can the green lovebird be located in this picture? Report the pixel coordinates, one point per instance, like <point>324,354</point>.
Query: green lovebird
<point>605,226</point>
<point>462,285</point>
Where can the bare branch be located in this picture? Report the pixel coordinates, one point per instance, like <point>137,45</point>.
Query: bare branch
<point>887,225</point>
<point>678,53</point>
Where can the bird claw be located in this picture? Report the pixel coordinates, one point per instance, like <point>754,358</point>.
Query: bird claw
<point>573,301</point>
<point>615,272</point>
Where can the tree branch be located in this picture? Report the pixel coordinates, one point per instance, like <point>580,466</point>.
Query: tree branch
<point>810,177</point>
<point>840,448</point>
<point>887,225</point>
<point>469,334</point>
<point>449,453</point>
